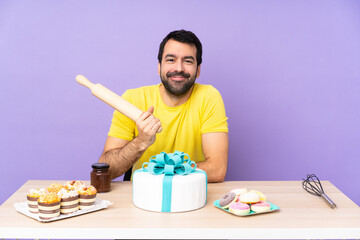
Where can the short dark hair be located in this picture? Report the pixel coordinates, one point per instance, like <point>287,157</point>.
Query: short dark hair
<point>184,37</point>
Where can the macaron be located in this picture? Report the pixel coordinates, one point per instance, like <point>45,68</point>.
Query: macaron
<point>260,207</point>
<point>239,191</point>
<point>262,196</point>
<point>239,208</point>
<point>249,197</point>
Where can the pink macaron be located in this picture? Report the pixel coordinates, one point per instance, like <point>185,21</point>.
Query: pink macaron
<point>261,207</point>
<point>239,208</point>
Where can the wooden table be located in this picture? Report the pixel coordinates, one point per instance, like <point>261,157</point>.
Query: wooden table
<point>301,216</point>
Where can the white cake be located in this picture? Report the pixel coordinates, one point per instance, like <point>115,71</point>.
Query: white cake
<point>189,192</point>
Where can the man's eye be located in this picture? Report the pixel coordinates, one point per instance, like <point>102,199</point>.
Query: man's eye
<point>169,60</point>
<point>189,61</point>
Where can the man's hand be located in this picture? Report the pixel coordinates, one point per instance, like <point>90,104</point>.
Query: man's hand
<point>147,126</point>
<point>122,154</point>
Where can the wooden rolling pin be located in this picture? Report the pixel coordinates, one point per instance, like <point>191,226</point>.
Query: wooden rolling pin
<point>112,99</point>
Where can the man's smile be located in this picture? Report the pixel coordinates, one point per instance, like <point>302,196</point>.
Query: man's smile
<point>177,79</point>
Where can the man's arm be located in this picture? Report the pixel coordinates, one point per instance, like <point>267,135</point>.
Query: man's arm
<point>216,148</point>
<point>121,154</point>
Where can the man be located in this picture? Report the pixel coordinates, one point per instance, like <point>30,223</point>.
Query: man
<point>192,115</point>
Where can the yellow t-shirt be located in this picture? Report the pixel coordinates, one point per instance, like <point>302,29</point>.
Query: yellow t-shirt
<point>204,112</point>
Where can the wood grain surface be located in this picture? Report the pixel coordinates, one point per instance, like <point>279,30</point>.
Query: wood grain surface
<point>301,216</point>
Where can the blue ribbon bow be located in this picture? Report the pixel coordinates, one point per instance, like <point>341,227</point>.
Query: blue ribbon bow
<point>169,164</point>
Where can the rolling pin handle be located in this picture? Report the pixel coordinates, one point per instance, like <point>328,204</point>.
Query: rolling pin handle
<point>84,81</point>
<point>111,99</point>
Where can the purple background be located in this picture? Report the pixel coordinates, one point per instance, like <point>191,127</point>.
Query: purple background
<point>288,71</point>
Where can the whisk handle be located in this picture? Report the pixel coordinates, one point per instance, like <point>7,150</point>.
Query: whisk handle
<point>328,200</point>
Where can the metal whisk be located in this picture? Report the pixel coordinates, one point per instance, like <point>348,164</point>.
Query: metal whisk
<point>313,186</point>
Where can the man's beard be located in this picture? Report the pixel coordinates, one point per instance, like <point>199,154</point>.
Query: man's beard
<point>178,90</point>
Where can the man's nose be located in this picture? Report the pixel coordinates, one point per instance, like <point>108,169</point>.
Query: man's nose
<point>179,67</point>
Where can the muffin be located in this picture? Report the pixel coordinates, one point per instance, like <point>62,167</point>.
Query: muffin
<point>74,185</point>
<point>87,197</point>
<point>32,198</point>
<point>49,206</point>
<point>55,188</point>
<point>69,201</point>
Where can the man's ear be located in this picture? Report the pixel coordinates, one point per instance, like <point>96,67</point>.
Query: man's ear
<point>198,71</point>
<point>159,68</point>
